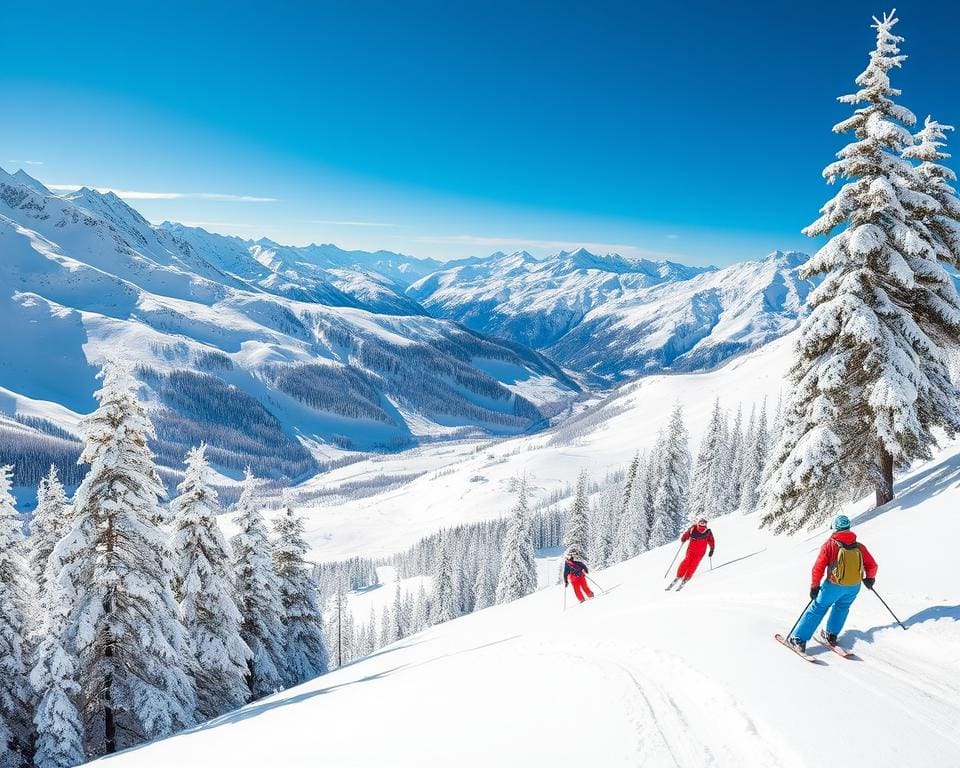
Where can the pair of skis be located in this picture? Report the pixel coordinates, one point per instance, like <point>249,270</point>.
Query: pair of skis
<point>837,649</point>
<point>682,583</point>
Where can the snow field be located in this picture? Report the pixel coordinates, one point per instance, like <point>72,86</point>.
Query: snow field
<point>645,677</point>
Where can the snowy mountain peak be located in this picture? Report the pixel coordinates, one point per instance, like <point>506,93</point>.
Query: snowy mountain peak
<point>22,177</point>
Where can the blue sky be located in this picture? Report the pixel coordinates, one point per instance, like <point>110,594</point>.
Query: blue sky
<point>690,130</point>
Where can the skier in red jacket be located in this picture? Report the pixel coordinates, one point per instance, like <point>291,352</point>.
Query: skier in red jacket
<point>575,573</point>
<point>847,564</point>
<point>700,538</point>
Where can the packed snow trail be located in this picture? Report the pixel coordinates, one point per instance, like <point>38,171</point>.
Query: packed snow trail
<point>646,677</point>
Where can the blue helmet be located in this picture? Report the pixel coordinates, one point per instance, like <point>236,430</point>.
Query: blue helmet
<point>841,523</point>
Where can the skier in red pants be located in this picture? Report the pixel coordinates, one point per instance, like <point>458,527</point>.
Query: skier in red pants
<point>700,538</point>
<point>575,573</point>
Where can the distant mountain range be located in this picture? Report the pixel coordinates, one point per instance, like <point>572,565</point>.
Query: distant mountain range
<point>269,353</point>
<point>284,356</point>
<point>614,318</point>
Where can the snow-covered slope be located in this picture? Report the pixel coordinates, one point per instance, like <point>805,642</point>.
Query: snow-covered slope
<point>226,357</point>
<point>382,504</point>
<point>640,677</point>
<point>619,318</point>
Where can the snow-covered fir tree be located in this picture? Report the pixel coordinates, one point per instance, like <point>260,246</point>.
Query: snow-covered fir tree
<point>755,455</point>
<point>396,615</point>
<point>576,536</point>
<point>337,642</point>
<point>733,462</point>
<point>603,524</point>
<point>59,726</point>
<point>444,603</point>
<point>14,580</point>
<point>421,610</point>
<point>518,570</point>
<point>632,533</point>
<point>673,479</point>
<point>203,586</point>
<point>385,626</point>
<point>304,648</point>
<point>258,594</point>
<point>934,179</point>
<point>485,585</point>
<point>49,523</point>
<point>133,654</point>
<point>707,496</point>
<point>870,381</point>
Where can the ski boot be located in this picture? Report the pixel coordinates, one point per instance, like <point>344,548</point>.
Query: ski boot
<point>798,644</point>
<point>672,584</point>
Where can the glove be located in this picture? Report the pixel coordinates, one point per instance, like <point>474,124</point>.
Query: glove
<point>814,591</point>
<point>710,553</point>
<point>868,583</point>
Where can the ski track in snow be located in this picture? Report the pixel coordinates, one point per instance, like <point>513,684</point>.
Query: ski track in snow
<point>673,727</point>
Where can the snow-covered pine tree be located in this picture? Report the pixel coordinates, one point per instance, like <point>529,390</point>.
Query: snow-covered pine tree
<point>603,519</point>
<point>396,631</point>
<point>406,620</point>
<point>869,381</point>
<point>203,586</point>
<point>934,179</point>
<point>673,480</point>
<point>576,536</point>
<point>339,607</point>
<point>15,718</point>
<point>385,626</point>
<point>755,456</point>
<point>304,648</point>
<point>59,727</point>
<point>706,487</point>
<point>258,594</point>
<point>421,610</point>
<point>651,481</point>
<point>732,463</point>
<point>49,523</point>
<point>132,649</point>
<point>518,571</point>
<point>372,636</point>
<point>444,605</point>
<point>484,587</point>
<point>632,532</point>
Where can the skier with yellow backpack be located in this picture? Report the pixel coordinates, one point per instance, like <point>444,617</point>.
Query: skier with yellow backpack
<point>847,564</point>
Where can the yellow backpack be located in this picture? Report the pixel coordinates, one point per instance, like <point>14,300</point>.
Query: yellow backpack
<point>848,569</point>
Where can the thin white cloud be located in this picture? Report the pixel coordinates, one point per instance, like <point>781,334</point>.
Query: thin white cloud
<point>219,224</point>
<point>129,194</point>
<point>353,223</point>
<point>673,237</point>
<point>623,249</point>
<point>25,162</point>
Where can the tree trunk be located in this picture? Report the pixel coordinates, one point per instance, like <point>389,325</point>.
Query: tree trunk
<point>885,484</point>
<point>109,726</point>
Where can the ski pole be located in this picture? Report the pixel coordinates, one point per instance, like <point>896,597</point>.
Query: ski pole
<point>596,585</point>
<point>669,567</point>
<point>711,562</point>
<point>888,608</point>
<point>790,633</point>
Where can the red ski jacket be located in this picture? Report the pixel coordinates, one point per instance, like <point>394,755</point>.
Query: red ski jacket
<point>828,556</point>
<point>699,540</point>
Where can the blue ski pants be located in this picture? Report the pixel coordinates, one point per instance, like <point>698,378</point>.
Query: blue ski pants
<point>833,597</point>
